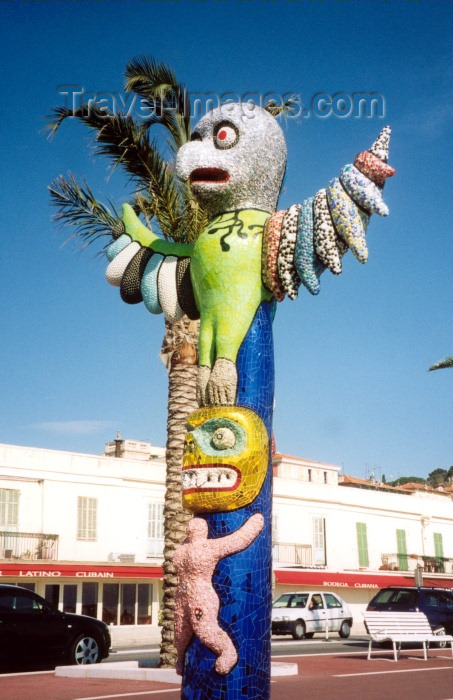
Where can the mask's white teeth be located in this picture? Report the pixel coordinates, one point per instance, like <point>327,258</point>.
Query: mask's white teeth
<point>211,478</point>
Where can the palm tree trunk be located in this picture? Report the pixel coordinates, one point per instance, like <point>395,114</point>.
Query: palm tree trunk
<point>180,356</point>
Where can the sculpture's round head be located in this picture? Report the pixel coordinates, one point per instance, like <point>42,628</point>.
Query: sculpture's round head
<point>236,159</point>
<point>226,453</point>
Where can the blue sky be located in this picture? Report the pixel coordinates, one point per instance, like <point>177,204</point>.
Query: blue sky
<point>352,386</point>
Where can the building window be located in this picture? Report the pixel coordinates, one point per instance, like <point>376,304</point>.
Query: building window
<point>86,518</point>
<point>402,550</point>
<point>90,598</point>
<point>325,477</point>
<point>9,507</point>
<point>110,603</point>
<point>128,600</point>
<point>155,547</point>
<point>309,474</point>
<point>319,541</point>
<point>52,594</point>
<point>69,597</point>
<point>362,545</point>
<point>143,604</point>
<point>127,603</point>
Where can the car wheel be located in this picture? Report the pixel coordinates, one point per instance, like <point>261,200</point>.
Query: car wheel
<point>85,650</point>
<point>345,629</point>
<point>298,629</point>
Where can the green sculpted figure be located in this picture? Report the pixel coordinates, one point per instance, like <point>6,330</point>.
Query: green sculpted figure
<point>248,253</point>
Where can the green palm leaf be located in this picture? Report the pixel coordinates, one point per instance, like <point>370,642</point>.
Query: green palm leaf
<point>442,364</point>
<point>156,83</point>
<point>119,138</point>
<point>77,206</point>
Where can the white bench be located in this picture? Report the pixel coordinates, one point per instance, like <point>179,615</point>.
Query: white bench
<point>399,627</point>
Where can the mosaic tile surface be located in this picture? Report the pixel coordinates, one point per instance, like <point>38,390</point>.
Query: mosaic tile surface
<point>349,221</point>
<point>329,247</point>
<point>166,288</point>
<point>271,244</point>
<point>305,254</point>
<point>118,265</point>
<point>247,258</point>
<point>148,286</point>
<point>380,147</point>
<point>285,262</point>
<point>130,282</point>
<point>363,191</point>
<point>225,459</point>
<point>197,603</point>
<point>226,276</point>
<point>373,167</point>
<point>235,160</point>
<point>243,581</point>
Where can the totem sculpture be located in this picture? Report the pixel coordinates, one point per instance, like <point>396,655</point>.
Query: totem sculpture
<point>248,257</point>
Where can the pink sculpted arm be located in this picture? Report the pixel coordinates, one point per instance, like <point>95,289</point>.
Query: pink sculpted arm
<point>240,539</point>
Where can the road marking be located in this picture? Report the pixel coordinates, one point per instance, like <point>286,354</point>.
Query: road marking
<point>131,695</point>
<point>404,670</point>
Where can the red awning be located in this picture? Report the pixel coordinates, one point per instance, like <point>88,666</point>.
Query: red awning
<point>333,579</point>
<point>27,571</point>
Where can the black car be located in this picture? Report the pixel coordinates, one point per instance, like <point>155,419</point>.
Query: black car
<point>436,603</point>
<point>31,631</point>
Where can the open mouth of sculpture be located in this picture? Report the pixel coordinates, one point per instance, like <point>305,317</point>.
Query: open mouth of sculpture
<point>202,176</point>
<point>210,477</point>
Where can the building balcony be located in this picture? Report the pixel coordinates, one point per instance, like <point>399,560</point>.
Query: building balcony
<point>410,562</point>
<point>295,554</point>
<point>28,545</point>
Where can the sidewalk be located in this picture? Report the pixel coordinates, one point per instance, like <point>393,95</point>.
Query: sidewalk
<point>135,636</point>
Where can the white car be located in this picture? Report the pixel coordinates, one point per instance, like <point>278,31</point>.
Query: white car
<point>304,613</point>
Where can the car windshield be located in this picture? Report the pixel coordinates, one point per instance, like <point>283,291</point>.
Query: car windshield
<point>396,597</point>
<point>291,600</point>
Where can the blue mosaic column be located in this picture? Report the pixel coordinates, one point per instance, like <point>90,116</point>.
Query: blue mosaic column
<point>243,581</point>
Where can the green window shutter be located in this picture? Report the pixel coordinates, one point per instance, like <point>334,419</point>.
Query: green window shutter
<point>362,544</point>
<point>402,550</point>
<point>438,546</point>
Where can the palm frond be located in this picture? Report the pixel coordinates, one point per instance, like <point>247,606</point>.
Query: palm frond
<point>77,206</point>
<point>127,144</point>
<point>157,84</point>
<point>194,218</point>
<point>442,364</point>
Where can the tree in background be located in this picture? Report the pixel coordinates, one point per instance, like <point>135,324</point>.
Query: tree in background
<point>167,204</point>
<point>437,477</point>
<point>406,480</point>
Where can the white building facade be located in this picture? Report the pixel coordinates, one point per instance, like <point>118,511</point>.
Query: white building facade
<point>86,532</point>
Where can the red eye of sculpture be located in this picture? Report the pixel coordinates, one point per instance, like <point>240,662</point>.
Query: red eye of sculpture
<point>226,135</point>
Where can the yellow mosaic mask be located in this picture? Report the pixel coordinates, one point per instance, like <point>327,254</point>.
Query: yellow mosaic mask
<point>226,454</point>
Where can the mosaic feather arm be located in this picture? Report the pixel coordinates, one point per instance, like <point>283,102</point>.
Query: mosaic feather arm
<point>248,252</point>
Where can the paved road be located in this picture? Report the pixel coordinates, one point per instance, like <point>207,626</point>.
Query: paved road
<point>280,647</point>
<point>321,677</point>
